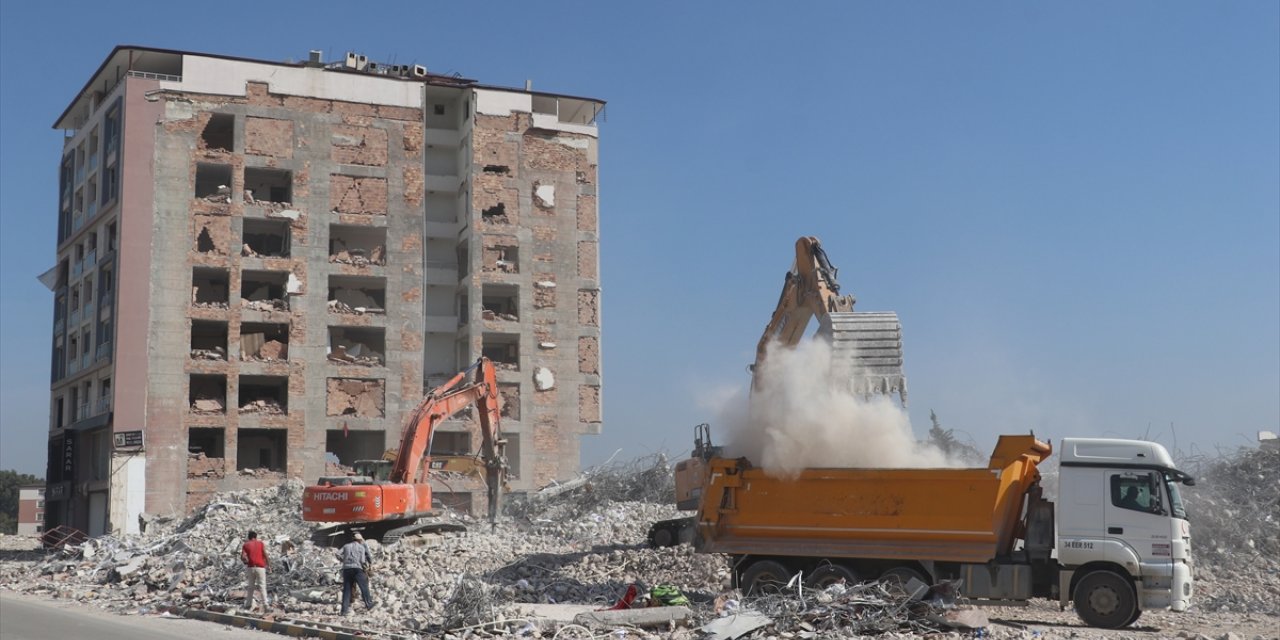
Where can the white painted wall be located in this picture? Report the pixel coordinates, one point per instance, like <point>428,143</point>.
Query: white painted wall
<point>128,491</point>
<point>490,102</point>
<point>227,77</point>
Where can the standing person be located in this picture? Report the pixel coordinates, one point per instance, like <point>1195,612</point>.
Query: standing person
<point>355,563</point>
<point>254,556</point>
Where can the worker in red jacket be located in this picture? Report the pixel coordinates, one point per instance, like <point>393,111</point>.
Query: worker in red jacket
<point>254,556</point>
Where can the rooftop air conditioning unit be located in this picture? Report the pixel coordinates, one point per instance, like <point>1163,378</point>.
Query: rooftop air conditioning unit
<point>419,71</point>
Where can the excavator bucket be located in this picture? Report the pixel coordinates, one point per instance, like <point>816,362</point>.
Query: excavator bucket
<point>866,350</point>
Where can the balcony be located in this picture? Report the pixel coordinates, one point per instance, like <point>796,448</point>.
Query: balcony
<point>102,406</point>
<point>92,210</point>
<point>103,351</point>
<point>440,272</point>
<point>73,318</point>
<point>82,411</point>
<point>77,268</point>
<point>91,258</point>
<point>444,183</point>
<point>440,324</point>
<point>87,311</point>
<point>443,137</point>
<point>77,221</point>
<point>73,365</point>
<point>59,326</point>
<point>93,162</point>
<point>86,360</point>
<point>80,174</point>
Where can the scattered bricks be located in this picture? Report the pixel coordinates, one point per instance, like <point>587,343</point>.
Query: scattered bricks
<point>413,185</point>
<point>198,465</point>
<point>411,243</point>
<point>410,340</point>
<point>588,403</point>
<point>544,151</point>
<point>589,355</point>
<point>589,307</point>
<point>355,195</point>
<point>587,214</point>
<point>359,145</point>
<point>501,255</point>
<point>355,397</point>
<point>544,291</point>
<point>588,259</point>
<point>268,137</point>
<point>411,139</point>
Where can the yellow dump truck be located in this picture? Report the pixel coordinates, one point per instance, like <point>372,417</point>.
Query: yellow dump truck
<point>1116,542</point>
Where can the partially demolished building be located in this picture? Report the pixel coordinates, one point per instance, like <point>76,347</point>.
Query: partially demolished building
<point>261,266</point>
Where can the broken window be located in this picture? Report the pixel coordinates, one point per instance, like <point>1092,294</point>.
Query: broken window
<point>269,238</point>
<point>357,345</point>
<point>264,395</point>
<point>210,288</point>
<point>219,133</point>
<point>509,393</point>
<point>208,340</point>
<point>208,394</point>
<point>206,452</point>
<point>213,182</point>
<point>500,302</point>
<point>204,241</point>
<point>267,185</point>
<point>357,294</point>
<point>356,397</point>
<point>359,246</point>
<point>500,169</point>
<point>351,445</point>
<point>502,259</point>
<point>264,290</point>
<point>503,349</point>
<point>267,342</point>
<point>262,449</point>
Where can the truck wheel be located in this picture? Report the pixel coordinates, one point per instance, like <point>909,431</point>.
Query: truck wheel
<point>661,537</point>
<point>765,576</point>
<point>899,577</point>
<point>1106,600</point>
<point>831,573</point>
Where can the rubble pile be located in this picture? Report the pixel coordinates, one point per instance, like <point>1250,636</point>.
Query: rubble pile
<point>216,353</point>
<point>267,406</point>
<point>359,257</point>
<point>1234,510</point>
<point>354,397</point>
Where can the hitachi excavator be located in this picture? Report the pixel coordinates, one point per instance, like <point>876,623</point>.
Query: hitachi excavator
<point>392,498</point>
<point>866,355</point>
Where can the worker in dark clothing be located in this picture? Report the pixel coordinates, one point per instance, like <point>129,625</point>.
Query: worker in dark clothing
<point>1130,499</point>
<point>355,565</point>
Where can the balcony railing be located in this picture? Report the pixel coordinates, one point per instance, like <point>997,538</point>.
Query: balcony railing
<point>82,411</point>
<point>92,210</point>
<point>77,221</point>
<point>59,326</point>
<point>103,406</point>
<point>73,365</point>
<point>80,173</point>
<point>77,268</point>
<point>73,318</point>
<point>93,161</point>
<point>87,311</point>
<point>86,360</point>
<point>104,350</point>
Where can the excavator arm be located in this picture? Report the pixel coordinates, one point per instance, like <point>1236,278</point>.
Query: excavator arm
<point>866,347</point>
<point>444,402</point>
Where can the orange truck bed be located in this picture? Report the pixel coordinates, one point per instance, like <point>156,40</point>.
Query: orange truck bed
<point>948,515</point>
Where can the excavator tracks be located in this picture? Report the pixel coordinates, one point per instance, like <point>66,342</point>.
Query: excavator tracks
<point>866,350</point>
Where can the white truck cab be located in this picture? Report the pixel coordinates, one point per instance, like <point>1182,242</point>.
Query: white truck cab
<point>1123,539</point>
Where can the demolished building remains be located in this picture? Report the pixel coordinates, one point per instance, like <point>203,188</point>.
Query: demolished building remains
<point>262,265</point>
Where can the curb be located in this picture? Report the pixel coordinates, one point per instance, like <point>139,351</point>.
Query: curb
<point>297,629</point>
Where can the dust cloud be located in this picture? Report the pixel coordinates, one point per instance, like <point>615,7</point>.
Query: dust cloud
<point>799,417</point>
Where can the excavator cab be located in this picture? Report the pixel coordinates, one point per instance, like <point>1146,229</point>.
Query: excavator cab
<point>375,470</point>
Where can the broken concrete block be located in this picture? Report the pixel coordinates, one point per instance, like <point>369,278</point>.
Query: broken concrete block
<point>647,617</point>
<point>735,626</point>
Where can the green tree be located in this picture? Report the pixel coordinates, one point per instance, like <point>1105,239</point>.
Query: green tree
<point>10,481</point>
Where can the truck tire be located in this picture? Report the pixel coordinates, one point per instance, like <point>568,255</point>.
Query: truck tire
<point>1106,600</point>
<point>830,573</point>
<point>899,577</point>
<point>765,576</point>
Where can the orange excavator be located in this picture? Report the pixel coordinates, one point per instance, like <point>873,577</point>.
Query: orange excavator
<point>389,499</point>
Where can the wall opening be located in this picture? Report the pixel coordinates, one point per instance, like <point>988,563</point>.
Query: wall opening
<point>503,349</point>
<point>267,395</point>
<point>510,399</point>
<point>501,258</point>
<point>206,452</point>
<point>204,241</point>
<point>262,449</point>
<point>208,340</point>
<point>264,290</point>
<point>359,246</point>
<point>497,214</point>
<point>355,445</point>
<point>357,294</point>
<point>213,181</point>
<point>207,393</point>
<point>451,443</point>
<point>501,302</point>
<point>512,454</point>
<point>210,287</point>
<point>267,185</point>
<point>358,345</point>
<point>264,341</point>
<point>219,133</point>
<point>269,238</point>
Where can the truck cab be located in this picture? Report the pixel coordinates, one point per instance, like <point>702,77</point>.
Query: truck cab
<point>1123,540</point>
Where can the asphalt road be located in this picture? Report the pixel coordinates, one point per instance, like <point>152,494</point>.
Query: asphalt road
<point>29,618</point>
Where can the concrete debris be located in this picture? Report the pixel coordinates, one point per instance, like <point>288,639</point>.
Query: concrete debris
<point>489,314</point>
<point>576,546</point>
<point>265,305</point>
<point>216,353</point>
<point>268,406</point>
<point>291,214</point>
<point>201,466</point>
<point>350,352</point>
<point>354,301</point>
<point>208,405</point>
<point>360,257</point>
<point>645,617</point>
<point>248,251</point>
<point>355,397</point>
<point>223,194</point>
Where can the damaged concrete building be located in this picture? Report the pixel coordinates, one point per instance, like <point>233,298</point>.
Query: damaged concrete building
<point>262,266</point>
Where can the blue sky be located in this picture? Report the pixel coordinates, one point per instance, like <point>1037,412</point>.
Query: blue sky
<point>1073,207</point>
